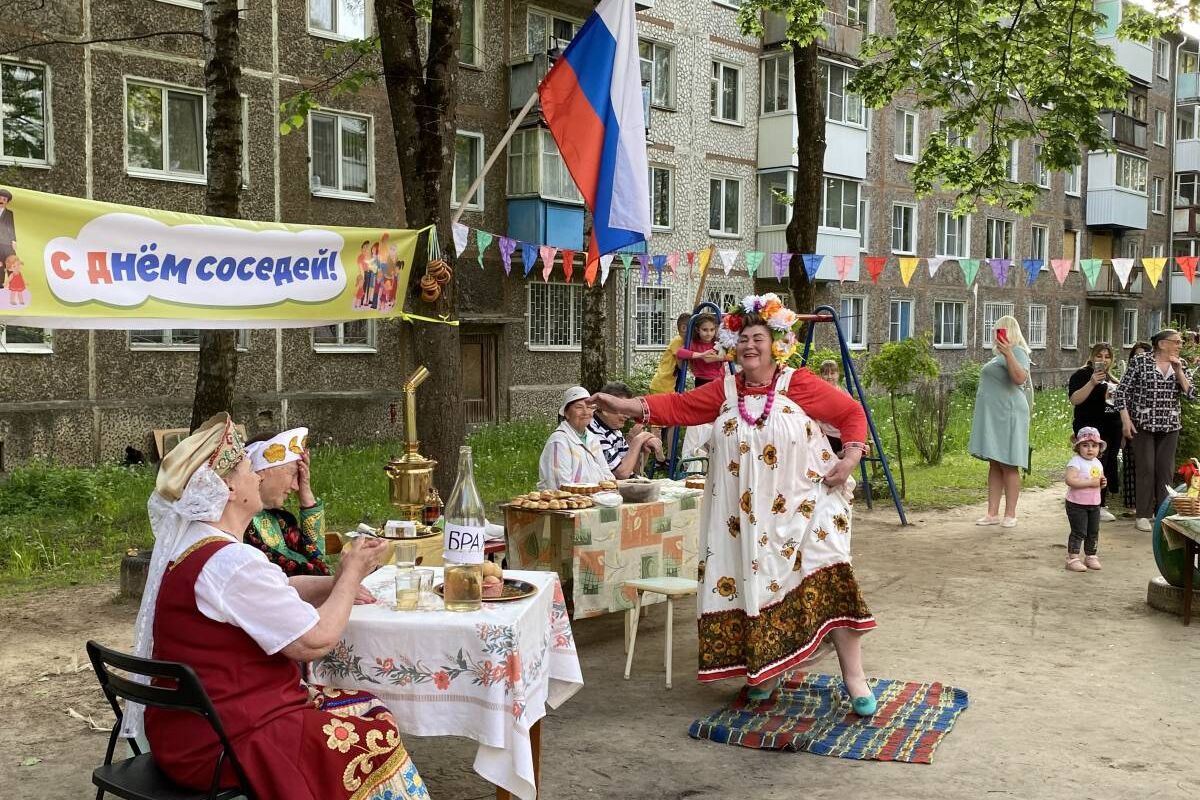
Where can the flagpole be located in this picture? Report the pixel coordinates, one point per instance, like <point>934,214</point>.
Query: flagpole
<point>491,162</point>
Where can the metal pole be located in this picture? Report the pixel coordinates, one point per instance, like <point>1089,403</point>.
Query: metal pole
<point>491,162</point>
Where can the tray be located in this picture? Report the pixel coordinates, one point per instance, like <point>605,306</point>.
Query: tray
<point>513,590</point>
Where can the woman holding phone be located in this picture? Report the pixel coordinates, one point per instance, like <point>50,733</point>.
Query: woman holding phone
<point>1091,389</point>
<point>1000,427</point>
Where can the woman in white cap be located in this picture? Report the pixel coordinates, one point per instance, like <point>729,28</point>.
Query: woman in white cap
<point>573,454</point>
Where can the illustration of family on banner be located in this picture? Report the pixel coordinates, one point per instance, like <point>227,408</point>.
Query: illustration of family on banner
<point>754,261</point>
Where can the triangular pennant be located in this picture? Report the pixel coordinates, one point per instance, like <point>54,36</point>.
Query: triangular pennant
<point>626,263</point>
<point>568,257</point>
<point>483,240</point>
<point>1188,265</point>
<point>673,262</point>
<point>754,259</point>
<point>908,266</point>
<point>728,257</point>
<point>528,256</point>
<point>875,265</point>
<point>507,246</point>
<point>705,256</point>
<point>605,265</point>
<point>779,265</point>
<point>1000,269</point>
<point>844,264</point>
<point>934,263</point>
<point>1033,267</point>
<point>812,263</point>
<point>691,259</point>
<point>460,233</point>
<point>1123,267</point>
<point>644,265</point>
<point>970,268</point>
<point>1091,269</point>
<point>1154,269</point>
<point>660,262</point>
<point>548,253</point>
<point>1061,268</point>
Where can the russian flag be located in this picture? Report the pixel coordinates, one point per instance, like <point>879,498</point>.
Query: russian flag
<point>592,101</point>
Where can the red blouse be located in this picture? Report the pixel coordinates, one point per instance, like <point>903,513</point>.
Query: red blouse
<point>820,400</point>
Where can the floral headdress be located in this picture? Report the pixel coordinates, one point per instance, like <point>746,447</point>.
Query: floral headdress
<point>764,308</point>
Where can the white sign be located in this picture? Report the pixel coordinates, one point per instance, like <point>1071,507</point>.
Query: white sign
<point>463,544</point>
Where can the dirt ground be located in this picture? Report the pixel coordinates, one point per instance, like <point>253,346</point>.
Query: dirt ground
<point>1078,688</point>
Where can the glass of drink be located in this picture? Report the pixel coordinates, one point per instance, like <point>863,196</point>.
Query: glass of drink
<point>426,599</point>
<point>408,590</point>
<point>406,555</point>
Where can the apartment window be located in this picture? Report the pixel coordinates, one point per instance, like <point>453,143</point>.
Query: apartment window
<point>1160,127</point>
<point>953,235</point>
<point>1129,327</point>
<point>1037,327</point>
<point>555,315</point>
<point>777,83</point>
<point>724,206</point>
<point>999,243</point>
<point>545,31</point>
<point>858,12</point>
<point>904,228</point>
<point>346,337</point>
<point>468,160</point>
<point>864,226</point>
<point>726,97</point>
<point>1162,58</point>
<point>839,205</point>
<point>339,147</point>
<point>1132,248</point>
<point>24,114</point>
<point>722,299</point>
<point>535,167</point>
<point>991,313</point>
<point>653,329</point>
<point>1041,173</point>
<point>340,19</point>
<point>949,323</point>
<point>842,105</point>
<point>1131,172</point>
<point>20,339</point>
<point>1068,327</point>
<point>1189,62</point>
<point>661,196</point>
<point>1014,154</point>
<point>1039,240</point>
<point>899,320</point>
<point>1099,324</point>
<point>164,132</point>
<point>470,45</point>
<point>774,197</point>
<point>1186,189</point>
<point>658,62</point>
<point>1071,180</point>
<point>176,339</point>
<point>955,138</point>
<point>1156,195</point>
<point>1135,106</point>
<point>852,316</point>
<point>1185,122</point>
<point>1156,250</point>
<point>906,135</point>
<point>1156,320</point>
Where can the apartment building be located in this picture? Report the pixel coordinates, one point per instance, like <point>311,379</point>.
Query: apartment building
<point>1185,199</point>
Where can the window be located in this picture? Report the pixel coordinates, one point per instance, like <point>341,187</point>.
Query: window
<point>557,183</point>
<point>1162,58</point>
<point>24,114</point>
<point>1156,320</point>
<point>839,206</point>
<point>661,196</point>
<point>1135,106</point>
<point>1156,250</point>
<point>953,235</point>
<point>339,147</point>
<point>1039,240</point>
<point>164,132</point>
<point>949,323</point>
<point>176,339</point>
<point>651,323</point>
<point>864,227</point>
<point>1068,327</point>
<point>724,206</point>
<point>340,19</point>
<point>906,135</point>
<point>777,83</point>
<point>1037,327</point>
<point>722,299</point>
<point>1132,248</point>
<point>955,138</point>
<point>1129,328</point>
<point>1071,180</point>
<point>852,316</point>
<point>555,315</point>
<point>1186,186</point>
<point>842,105</point>
<point>1185,122</point>
<point>999,243</point>
<point>991,313</point>
<point>858,13</point>
<point>1041,174</point>
<point>726,98</point>
<point>468,160</point>
<point>658,71</point>
<point>1156,195</point>
<point>1189,61</point>
<point>19,339</point>
<point>546,31</point>
<point>470,48</point>
<point>900,320</point>
<point>347,337</point>
<point>774,197</point>
<point>1131,172</point>
<point>1014,153</point>
<point>1160,127</point>
<point>1099,324</point>
<point>904,228</point>
<point>535,167</point>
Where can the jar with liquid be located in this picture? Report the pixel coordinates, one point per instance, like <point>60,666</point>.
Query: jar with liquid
<point>463,540</point>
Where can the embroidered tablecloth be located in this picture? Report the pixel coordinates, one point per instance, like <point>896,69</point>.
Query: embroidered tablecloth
<point>487,675</point>
<point>596,549</point>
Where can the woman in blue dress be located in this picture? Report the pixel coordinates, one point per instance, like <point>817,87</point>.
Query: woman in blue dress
<point>1000,428</point>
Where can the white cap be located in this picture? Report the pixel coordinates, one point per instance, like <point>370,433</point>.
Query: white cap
<point>279,450</point>
<point>570,396</point>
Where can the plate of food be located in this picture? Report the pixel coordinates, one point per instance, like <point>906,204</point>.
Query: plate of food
<point>497,588</point>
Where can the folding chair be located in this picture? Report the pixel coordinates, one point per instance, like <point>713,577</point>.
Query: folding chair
<point>139,777</point>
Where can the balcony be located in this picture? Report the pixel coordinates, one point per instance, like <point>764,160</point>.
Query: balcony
<point>1185,223</point>
<point>1109,205</point>
<point>1188,85</point>
<point>842,35</point>
<point>536,219</point>
<point>1187,156</point>
<point>1135,58</point>
<point>773,239</point>
<point>1125,129</point>
<point>1184,293</point>
<point>523,80</point>
<point>845,146</point>
<point>1108,286</point>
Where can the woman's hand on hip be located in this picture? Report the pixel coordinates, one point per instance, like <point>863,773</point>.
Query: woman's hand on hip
<point>838,474</point>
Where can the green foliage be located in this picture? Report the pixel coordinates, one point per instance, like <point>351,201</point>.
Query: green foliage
<point>639,379</point>
<point>897,364</point>
<point>927,419</point>
<point>966,378</point>
<point>1189,436</point>
<point>803,18</point>
<point>353,64</point>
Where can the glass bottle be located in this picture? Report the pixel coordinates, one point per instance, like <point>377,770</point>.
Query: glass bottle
<point>463,540</point>
<point>432,511</point>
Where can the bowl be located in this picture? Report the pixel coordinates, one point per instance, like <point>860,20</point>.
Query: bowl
<point>638,491</point>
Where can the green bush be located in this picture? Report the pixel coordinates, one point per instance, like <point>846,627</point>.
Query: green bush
<point>639,379</point>
<point>966,378</point>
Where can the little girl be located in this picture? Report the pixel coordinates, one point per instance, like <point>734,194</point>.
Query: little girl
<point>1085,479</point>
<point>706,361</point>
<point>15,282</point>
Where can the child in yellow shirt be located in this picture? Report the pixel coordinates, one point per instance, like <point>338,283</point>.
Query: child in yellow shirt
<point>664,376</point>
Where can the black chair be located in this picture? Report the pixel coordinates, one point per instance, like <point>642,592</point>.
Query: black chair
<point>139,778</point>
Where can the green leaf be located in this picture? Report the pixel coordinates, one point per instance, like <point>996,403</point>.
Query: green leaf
<point>29,761</point>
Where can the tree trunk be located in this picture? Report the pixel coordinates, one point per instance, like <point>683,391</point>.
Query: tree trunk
<point>423,96</point>
<point>593,355</point>
<point>216,370</point>
<point>899,446</point>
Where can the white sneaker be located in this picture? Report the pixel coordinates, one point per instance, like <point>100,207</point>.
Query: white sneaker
<point>1106,515</point>
<point>1143,524</point>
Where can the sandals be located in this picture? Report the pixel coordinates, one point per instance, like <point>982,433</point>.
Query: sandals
<point>987,520</point>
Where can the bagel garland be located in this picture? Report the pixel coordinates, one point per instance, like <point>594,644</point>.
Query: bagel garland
<point>433,282</point>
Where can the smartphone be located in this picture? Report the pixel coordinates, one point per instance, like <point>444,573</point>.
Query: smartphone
<point>1002,335</point>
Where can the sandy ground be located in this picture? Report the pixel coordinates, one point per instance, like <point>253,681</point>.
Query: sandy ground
<point>1078,689</point>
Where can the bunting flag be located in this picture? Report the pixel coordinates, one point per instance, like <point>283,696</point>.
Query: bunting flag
<point>568,257</point>
<point>672,262</point>
<point>779,265</point>
<point>660,261</point>
<point>1123,267</point>
<point>970,268</point>
<point>1154,269</point>
<point>528,256</point>
<point>1188,265</point>
<point>1033,266</point>
<point>691,259</point>
<point>548,253</point>
<point>705,257</point>
<point>1000,269</point>
<point>605,265</point>
<point>812,263</point>
<point>507,246</point>
<point>644,267</point>
<point>460,233</point>
<point>1091,268</point>
<point>908,266</point>
<point>934,263</point>
<point>875,265</point>
<point>844,264</point>
<point>483,240</point>
<point>728,257</point>
<point>754,259</point>
<point>1062,268</point>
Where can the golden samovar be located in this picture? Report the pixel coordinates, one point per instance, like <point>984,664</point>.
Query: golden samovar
<point>411,475</point>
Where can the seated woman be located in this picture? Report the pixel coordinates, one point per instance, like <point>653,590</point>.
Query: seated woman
<point>573,454</point>
<point>623,455</point>
<point>282,462</point>
<point>221,607</point>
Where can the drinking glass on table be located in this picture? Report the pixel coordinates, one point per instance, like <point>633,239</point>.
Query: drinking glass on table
<point>408,589</point>
<point>426,599</point>
<point>406,555</point>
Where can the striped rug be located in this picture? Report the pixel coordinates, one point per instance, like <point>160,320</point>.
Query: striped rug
<point>812,712</point>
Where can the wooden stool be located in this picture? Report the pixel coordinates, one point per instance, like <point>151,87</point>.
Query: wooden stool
<point>670,588</point>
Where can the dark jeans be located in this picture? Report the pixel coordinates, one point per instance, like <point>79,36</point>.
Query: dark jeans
<point>1155,456</point>
<point>1085,528</point>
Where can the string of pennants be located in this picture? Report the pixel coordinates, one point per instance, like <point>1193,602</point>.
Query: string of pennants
<point>1000,268</point>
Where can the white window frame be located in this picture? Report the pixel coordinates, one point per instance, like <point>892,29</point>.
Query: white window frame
<point>1014,160</point>
<point>725,180</point>
<point>959,309</point>
<point>539,154</point>
<point>962,224</point>
<point>165,174</point>
<point>336,35</point>
<point>902,145</point>
<point>339,193</point>
<point>1039,243</point>
<point>994,224</point>
<point>896,333</point>
<point>954,138</point>
<point>477,50</point>
<point>1100,313</point>
<point>1157,187</point>
<point>1160,127</point>
<point>1041,174</point>
<point>1129,330</point>
<point>477,202</point>
<point>993,311</point>
<point>1157,250</point>
<point>551,18</point>
<point>655,46</point>
<point>340,347</point>
<point>48,117</point>
<point>856,337</point>
<point>1132,169</point>
<point>912,232</point>
<point>168,344</point>
<point>849,99</point>
<point>778,61</point>
<point>1037,321</point>
<point>44,347</point>
<point>718,82</point>
<point>573,290</point>
<point>670,173</point>
<point>1189,116</point>
<point>1066,342</point>
<point>825,187</point>
<point>668,322</point>
<point>864,222</point>
<point>791,188</point>
<point>1162,61</point>
<point>864,20</point>
<point>1072,180</point>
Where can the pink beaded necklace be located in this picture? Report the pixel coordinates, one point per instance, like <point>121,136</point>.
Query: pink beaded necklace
<point>766,412</point>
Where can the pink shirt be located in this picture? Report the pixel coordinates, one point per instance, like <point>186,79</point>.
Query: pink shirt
<point>1088,468</point>
<point>705,370</point>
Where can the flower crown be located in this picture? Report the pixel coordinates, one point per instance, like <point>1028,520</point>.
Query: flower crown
<point>762,308</point>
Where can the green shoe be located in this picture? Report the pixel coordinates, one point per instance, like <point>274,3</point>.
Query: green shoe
<point>865,706</point>
<point>759,693</point>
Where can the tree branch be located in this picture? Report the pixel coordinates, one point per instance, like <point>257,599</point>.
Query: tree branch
<point>99,40</point>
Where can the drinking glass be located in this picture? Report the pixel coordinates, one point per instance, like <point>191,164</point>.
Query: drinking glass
<point>408,590</point>
<point>406,555</point>
<point>426,599</point>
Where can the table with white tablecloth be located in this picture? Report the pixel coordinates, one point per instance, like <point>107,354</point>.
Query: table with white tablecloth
<point>487,675</point>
